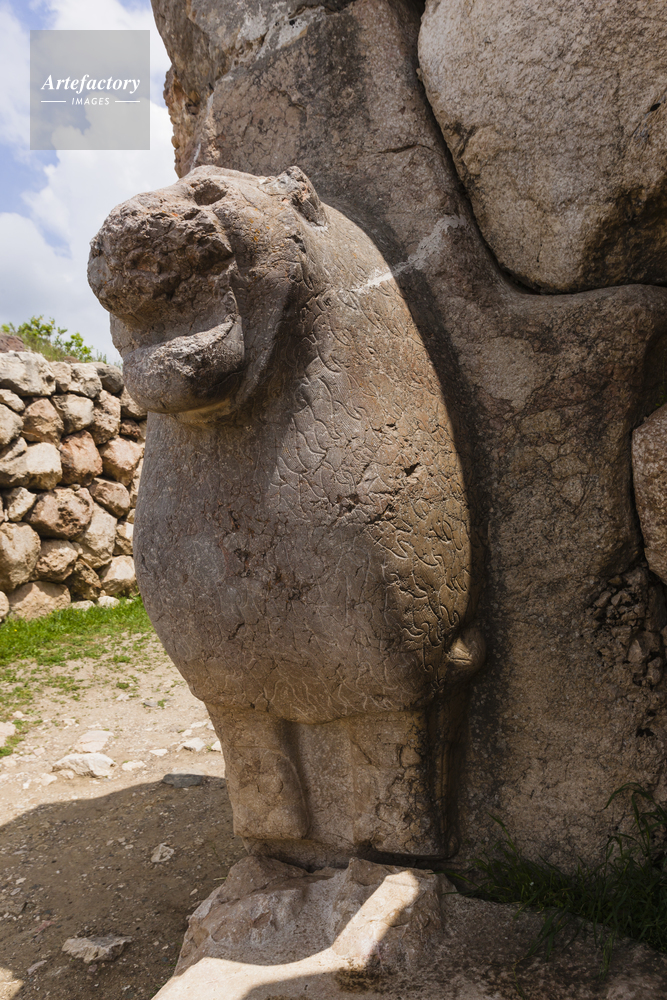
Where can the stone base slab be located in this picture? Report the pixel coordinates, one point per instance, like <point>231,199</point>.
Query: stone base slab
<point>275,932</point>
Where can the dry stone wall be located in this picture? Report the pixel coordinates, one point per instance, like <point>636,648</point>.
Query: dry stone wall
<point>71,452</point>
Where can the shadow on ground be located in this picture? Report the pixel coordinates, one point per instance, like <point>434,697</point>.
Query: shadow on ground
<point>83,868</point>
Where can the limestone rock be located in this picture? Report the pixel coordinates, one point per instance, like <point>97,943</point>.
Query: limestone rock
<point>84,581</point>
<point>4,606</point>
<point>130,409</point>
<point>111,378</point>
<point>649,467</point>
<point>78,377</point>
<point>81,461</point>
<point>93,765</point>
<point>555,116</point>
<point>11,400</point>
<point>32,600</point>
<point>124,533</point>
<point>35,465</point>
<point>62,513</point>
<point>96,949</point>
<point>19,552</point>
<point>114,497</point>
<point>77,412</point>
<point>56,560</point>
<point>42,422</point>
<point>108,602</point>
<point>93,741</point>
<point>11,343</point>
<point>7,729</point>
<point>120,458</point>
<point>367,915</point>
<point>119,576</point>
<point>10,425</point>
<point>98,540</point>
<point>106,418</point>
<point>18,502</point>
<point>130,429</point>
<point>26,374</point>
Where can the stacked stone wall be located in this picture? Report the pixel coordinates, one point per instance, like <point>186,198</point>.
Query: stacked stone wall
<point>71,451</point>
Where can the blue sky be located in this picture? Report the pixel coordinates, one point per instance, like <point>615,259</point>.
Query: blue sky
<point>52,203</point>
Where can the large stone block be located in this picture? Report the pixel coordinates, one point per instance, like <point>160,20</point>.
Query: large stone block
<point>26,374</point>
<point>555,115</point>
<point>80,377</point>
<point>19,552</point>
<point>18,502</point>
<point>106,418</point>
<point>62,513</point>
<point>111,378</point>
<point>114,497</point>
<point>649,466</point>
<point>119,576</point>
<point>98,540</point>
<point>10,425</point>
<point>77,412</point>
<point>32,600</point>
<point>42,422</point>
<point>81,461</point>
<point>36,465</point>
<point>84,581</point>
<point>56,560</point>
<point>121,458</point>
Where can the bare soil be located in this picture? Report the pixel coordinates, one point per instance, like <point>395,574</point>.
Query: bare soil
<point>75,853</point>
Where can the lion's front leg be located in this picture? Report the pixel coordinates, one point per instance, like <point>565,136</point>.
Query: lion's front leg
<point>263,780</point>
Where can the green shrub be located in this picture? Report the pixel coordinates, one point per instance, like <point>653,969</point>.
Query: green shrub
<point>44,337</point>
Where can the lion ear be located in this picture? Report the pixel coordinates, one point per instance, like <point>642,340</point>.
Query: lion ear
<point>294,184</point>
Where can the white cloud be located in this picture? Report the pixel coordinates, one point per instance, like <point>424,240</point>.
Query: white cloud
<point>14,82</point>
<point>44,244</point>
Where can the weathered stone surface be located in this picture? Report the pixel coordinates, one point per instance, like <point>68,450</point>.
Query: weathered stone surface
<point>130,408</point>
<point>10,425</point>
<point>62,513</point>
<point>4,606</point>
<point>97,541</point>
<point>42,422</point>
<point>93,765</point>
<point>111,378</point>
<point>546,390</point>
<point>114,497</point>
<point>62,372</point>
<point>81,461</point>
<point>84,581</point>
<point>649,467</point>
<point>391,465</point>
<point>11,343</point>
<point>19,552</point>
<point>96,949</point>
<point>18,502</point>
<point>77,412</point>
<point>134,485</point>
<point>555,116</point>
<point>11,400</point>
<point>130,429</point>
<point>124,533</point>
<point>26,374</point>
<point>119,576</point>
<point>32,600</point>
<point>106,418</point>
<point>85,380</point>
<point>120,458</point>
<point>56,560</point>
<point>35,465</point>
<point>275,932</point>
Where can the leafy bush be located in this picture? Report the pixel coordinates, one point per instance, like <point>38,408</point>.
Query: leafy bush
<point>44,337</point>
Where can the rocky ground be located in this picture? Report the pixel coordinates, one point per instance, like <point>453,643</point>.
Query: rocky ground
<point>75,852</point>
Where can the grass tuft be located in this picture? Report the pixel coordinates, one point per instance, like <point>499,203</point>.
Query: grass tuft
<point>623,896</point>
<point>33,653</point>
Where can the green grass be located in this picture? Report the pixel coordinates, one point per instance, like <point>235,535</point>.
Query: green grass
<point>625,895</point>
<point>33,653</point>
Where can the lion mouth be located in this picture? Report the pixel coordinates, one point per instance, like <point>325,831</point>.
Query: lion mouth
<point>189,372</point>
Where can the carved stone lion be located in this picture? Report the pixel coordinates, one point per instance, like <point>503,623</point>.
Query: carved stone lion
<point>303,540</point>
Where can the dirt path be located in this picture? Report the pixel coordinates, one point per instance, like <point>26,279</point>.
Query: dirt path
<point>75,853</point>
